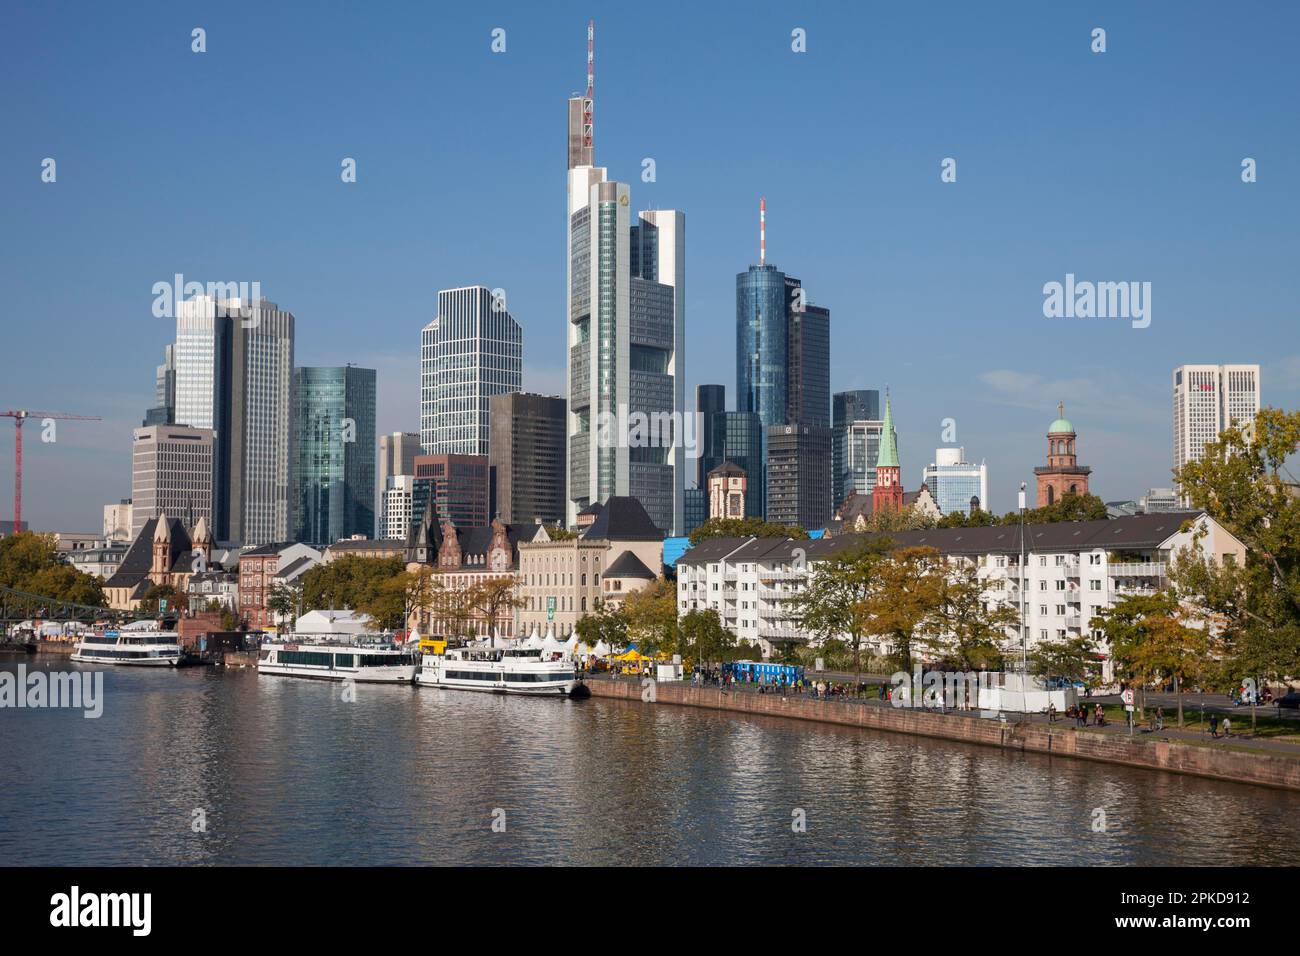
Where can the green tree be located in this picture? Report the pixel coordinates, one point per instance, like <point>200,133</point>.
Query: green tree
<point>745,528</point>
<point>150,604</point>
<point>1127,625</point>
<point>905,595</point>
<point>492,596</point>
<point>704,639</point>
<point>652,617</point>
<point>285,601</point>
<point>603,622</point>
<point>969,629</point>
<point>31,562</point>
<point>833,604</point>
<point>1073,658</point>
<point>1068,507</point>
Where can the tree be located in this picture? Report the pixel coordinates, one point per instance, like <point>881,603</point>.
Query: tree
<point>704,638</point>
<point>603,622</point>
<point>969,629</point>
<point>652,617</point>
<point>834,601</point>
<point>963,519</point>
<point>1171,649</point>
<point>151,603</point>
<point>1073,658</point>
<point>31,562</point>
<point>285,601</point>
<point>888,519</point>
<point>349,582</point>
<point>744,528</point>
<point>1127,625</point>
<point>904,596</point>
<point>560,533</point>
<point>490,597</point>
<point>1068,507</point>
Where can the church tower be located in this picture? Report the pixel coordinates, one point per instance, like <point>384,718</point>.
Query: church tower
<point>1062,475</point>
<point>888,493</point>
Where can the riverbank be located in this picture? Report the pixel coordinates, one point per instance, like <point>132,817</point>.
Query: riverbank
<point>1010,734</point>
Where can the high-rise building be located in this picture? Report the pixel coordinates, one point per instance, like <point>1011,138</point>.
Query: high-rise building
<point>808,394</point>
<point>855,405</point>
<point>397,453</point>
<point>261,416</point>
<point>743,446</point>
<point>163,411</point>
<point>204,332</point>
<point>955,483</point>
<point>710,404</point>
<point>526,458</point>
<point>862,451</point>
<point>1207,399</point>
<point>334,467</point>
<point>799,475</point>
<point>459,487</point>
<point>171,471</point>
<point>696,509</point>
<point>396,516</point>
<point>626,308</point>
<point>477,352</point>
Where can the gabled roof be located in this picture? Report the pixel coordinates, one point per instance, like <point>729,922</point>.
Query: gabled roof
<point>266,550</point>
<point>623,519</point>
<point>628,565</point>
<point>138,560</point>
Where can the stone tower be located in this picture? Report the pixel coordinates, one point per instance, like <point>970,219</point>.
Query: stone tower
<point>1062,475</point>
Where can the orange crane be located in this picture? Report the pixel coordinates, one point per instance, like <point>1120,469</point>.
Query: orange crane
<point>19,417</point>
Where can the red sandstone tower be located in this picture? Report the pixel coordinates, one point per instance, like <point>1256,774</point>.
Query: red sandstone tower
<point>888,493</point>
<point>1062,475</point>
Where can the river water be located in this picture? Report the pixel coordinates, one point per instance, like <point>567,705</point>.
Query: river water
<point>205,766</point>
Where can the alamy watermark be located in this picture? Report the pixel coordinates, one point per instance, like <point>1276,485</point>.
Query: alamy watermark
<point>82,690</point>
<point>230,299</point>
<point>636,429</point>
<point>1098,300</point>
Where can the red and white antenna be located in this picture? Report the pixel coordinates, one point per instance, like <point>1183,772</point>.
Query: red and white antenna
<point>591,83</point>
<point>762,230</point>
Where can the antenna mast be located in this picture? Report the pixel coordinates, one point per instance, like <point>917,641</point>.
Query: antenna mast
<point>762,230</point>
<point>591,83</point>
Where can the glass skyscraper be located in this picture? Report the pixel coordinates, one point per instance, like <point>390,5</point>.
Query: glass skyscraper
<point>744,446</point>
<point>710,403</point>
<point>334,461</point>
<point>954,482</point>
<point>471,351</point>
<point>854,405</point>
<point>762,344</point>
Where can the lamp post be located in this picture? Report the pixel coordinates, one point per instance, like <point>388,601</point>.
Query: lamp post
<point>1024,604</point>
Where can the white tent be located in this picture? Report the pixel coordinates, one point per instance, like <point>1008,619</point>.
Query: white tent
<point>601,649</point>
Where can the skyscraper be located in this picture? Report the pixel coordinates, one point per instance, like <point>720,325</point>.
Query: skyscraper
<point>743,446</point>
<point>856,405</point>
<point>1207,399</point>
<point>799,475</point>
<point>710,403</point>
<point>202,353</point>
<point>477,352</point>
<point>171,471</point>
<point>954,482</point>
<point>526,457</point>
<point>808,389</point>
<point>626,284</point>
<point>334,468</point>
<point>397,453</point>
<point>458,485</point>
<point>163,411</point>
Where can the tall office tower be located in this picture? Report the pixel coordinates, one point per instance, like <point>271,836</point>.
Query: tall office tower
<point>799,475</point>
<point>428,366</point>
<point>862,451</point>
<point>477,353</point>
<point>334,467</point>
<point>955,483</point>
<point>163,410</point>
<point>696,509</point>
<point>526,458</point>
<point>625,290</point>
<point>1207,399</point>
<point>399,493</point>
<point>171,471</point>
<point>710,403</point>
<point>856,405</point>
<point>204,334</point>
<point>396,457</point>
<point>808,389</point>
<point>458,485</point>
<point>743,446</point>
<point>261,413</point>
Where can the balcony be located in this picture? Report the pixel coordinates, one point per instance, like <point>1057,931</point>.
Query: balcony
<point>1147,569</point>
<point>770,632</point>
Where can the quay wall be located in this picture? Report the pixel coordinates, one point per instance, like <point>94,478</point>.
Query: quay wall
<point>1221,764</point>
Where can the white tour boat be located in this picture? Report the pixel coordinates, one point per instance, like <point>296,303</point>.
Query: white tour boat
<point>132,645</point>
<point>501,670</point>
<point>322,659</point>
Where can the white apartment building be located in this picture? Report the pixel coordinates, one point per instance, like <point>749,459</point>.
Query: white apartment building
<point>395,521</point>
<point>1071,571</point>
<point>1207,399</point>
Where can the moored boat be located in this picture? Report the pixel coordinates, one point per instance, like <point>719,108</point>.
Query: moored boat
<point>498,669</point>
<point>131,646</point>
<point>371,662</point>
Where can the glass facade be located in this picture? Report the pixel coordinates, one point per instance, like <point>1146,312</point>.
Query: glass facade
<point>855,405</point>
<point>334,462</point>
<point>744,447</point>
<point>762,344</point>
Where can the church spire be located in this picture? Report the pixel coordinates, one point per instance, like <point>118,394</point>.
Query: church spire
<point>888,441</point>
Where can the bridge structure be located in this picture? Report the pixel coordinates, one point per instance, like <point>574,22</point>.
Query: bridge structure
<point>17,606</point>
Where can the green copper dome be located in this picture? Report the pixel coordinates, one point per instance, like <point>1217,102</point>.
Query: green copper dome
<point>1062,424</point>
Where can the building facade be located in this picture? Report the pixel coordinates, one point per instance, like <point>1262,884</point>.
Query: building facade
<point>171,471</point>
<point>477,352</point>
<point>397,453</point>
<point>118,522</point>
<point>710,405</point>
<point>957,485</point>
<point>1207,399</point>
<point>888,491</point>
<point>728,487</point>
<point>258,568</point>
<point>799,475</point>
<point>334,467</point>
<point>398,513</point>
<point>458,485</point>
<point>526,457</point>
<point>855,405</point>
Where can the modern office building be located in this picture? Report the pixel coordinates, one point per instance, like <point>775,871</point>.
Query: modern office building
<point>163,411</point>
<point>459,486</point>
<point>862,440</point>
<point>955,483</point>
<point>799,475</point>
<point>397,453</point>
<point>1207,399</point>
<point>334,466</point>
<point>202,354</point>
<point>171,471</point>
<point>1159,500</point>
<point>710,404</point>
<point>855,405</point>
<point>743,445</point>
<point>396,516</point>
<point>476,352</point>
<point>762,344</point>
<point>526,458</point>
<point>697,509</point>
<point>626,308</point>
<point>808,394</point>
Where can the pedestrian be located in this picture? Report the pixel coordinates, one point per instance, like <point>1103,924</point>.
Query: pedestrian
<point>1214,725</point>
<point>1051,712</point>
<point>1160,719</point>
<point>1101,716</point>
<point>1227,727</point>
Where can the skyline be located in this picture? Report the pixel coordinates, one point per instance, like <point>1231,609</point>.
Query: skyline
<point>421,220</point>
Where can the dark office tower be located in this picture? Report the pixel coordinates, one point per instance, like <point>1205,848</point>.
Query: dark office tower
<point>526,457</point>
<point>856,405</point>
<point>743,446</point>
<point>458,485</point>
<point>808,382</point>
<point>799,475</point>
<point>710,403</point>
<point>333,454</point>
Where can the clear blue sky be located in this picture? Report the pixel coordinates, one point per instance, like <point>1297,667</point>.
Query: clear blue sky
<point>225,166</point>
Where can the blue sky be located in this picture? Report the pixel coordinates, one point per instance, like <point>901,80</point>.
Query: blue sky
<point>225,166</point>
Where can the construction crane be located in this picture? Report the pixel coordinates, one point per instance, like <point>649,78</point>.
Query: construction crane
<point>19,417</point>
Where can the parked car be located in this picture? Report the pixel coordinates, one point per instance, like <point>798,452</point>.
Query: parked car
<point>1291,700</point>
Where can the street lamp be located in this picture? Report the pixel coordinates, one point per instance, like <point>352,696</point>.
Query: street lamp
<point>1024,604</point>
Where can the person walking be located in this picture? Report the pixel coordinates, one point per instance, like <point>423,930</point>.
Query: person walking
<point>1227,727</point>
<point>1160,719</point>
<point>1214,726</point>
